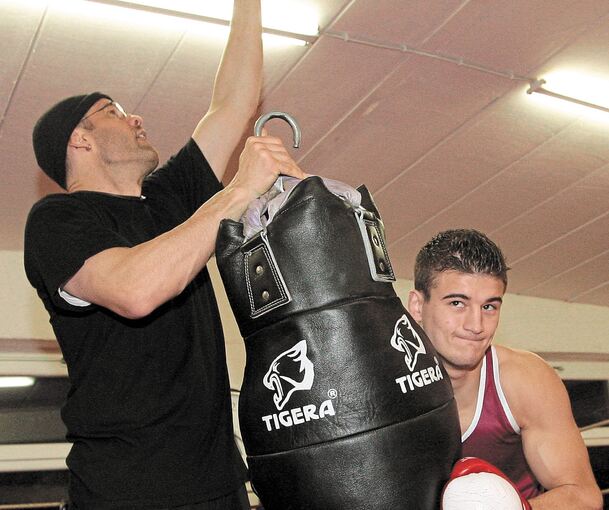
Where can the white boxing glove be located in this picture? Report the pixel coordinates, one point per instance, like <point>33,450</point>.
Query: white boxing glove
<point>475,484</point>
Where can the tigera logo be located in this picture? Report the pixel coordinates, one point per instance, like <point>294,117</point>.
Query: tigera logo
<point>409,342</point>
<point>293,371</point>
<point>289,372</point>
<point>405,339</point>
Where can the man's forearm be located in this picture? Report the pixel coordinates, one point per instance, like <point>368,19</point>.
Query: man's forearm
<point>134,281</point>
<point>236,90</point>
<point>239,76</point>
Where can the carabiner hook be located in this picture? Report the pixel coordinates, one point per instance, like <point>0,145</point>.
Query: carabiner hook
<point>281,115</point>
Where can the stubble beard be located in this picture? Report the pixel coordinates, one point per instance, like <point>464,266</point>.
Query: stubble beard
<point>144,155</point>
<point>152,161</point>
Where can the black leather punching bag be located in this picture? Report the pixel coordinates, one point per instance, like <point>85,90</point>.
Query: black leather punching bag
<point>344,403</point>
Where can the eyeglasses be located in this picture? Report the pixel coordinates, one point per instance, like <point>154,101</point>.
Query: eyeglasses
<point>118,110</point>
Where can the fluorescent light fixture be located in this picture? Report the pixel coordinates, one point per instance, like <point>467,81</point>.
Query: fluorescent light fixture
<point>295,16</point>
<point>16,382</point>
<point>292,21</point>
<point>574,88</point>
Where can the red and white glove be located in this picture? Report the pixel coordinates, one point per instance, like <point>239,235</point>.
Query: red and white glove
<point>475,484</point>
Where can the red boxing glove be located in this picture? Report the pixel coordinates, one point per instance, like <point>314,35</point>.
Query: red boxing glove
<point>475,484</point>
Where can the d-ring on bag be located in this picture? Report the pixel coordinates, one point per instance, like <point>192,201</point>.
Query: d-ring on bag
<point>344,404</point>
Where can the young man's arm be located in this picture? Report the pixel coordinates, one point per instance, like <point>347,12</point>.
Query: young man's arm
<point>236,90</point>
<point>552,443</point>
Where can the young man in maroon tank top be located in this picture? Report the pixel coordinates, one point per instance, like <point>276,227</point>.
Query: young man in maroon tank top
<point>513,408</point>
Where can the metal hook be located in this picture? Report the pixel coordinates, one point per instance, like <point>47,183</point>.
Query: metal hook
<point>281,115</point>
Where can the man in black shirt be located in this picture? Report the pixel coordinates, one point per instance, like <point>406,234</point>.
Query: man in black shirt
<point>119,263</point>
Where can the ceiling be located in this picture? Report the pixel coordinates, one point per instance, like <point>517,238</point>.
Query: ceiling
<point>439,145</point>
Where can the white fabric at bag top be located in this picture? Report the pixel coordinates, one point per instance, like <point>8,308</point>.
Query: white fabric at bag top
<point>260,213</point>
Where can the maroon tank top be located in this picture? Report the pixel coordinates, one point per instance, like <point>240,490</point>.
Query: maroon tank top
<point>494,434</point>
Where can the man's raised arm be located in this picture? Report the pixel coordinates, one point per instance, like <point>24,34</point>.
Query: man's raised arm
<point>236,90</point>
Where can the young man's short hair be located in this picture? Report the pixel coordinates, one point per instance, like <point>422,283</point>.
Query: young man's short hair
<point>463,250</point>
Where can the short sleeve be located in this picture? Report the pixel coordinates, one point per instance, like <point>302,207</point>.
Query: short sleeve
<point>188,175</point>
<point>61,233</point>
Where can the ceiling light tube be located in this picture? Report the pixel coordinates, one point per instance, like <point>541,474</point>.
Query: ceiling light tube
<point>200,18</point>
<point>16,382</point>
<point>537,86</point>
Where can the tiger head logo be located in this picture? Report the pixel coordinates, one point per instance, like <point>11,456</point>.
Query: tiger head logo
<point>289,372</point>
<point>405,339</point>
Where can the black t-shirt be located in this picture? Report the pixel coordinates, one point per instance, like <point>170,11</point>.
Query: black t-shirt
<point>149,408</point>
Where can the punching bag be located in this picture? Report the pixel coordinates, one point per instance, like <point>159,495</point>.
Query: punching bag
<point>344,404</point>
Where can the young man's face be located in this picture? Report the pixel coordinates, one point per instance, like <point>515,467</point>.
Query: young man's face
<point>461,315</point>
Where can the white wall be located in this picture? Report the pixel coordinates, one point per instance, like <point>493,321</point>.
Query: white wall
<point>540,325</point>
<point>21,312</point>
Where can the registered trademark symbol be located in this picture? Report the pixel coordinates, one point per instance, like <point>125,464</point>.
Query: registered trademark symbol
<point>332,393</point>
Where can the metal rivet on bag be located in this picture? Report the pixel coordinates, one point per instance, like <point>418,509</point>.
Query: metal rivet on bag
<point>375,240</point>
<point>266,295</point>
<point>381,265</point>
<point>259,269</point>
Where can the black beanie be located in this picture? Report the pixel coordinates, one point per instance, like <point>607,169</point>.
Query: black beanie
<point>53,130</point>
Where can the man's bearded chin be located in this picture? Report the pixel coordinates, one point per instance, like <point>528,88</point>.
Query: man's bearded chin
<point>153,162</point>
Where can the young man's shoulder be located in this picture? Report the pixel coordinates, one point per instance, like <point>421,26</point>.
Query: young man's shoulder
<point>518,357</point>
<point>522,366</point>
<point>527,380</point>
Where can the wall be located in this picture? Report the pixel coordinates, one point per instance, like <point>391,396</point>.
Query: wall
<point>540,325</point>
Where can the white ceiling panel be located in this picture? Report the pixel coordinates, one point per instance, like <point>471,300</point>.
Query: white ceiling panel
<point>440,145</point>
<point>18,26</point>
<point>576,205</point>
<point>561,254</point>
<point>578,283</point>
<point>324,87</point>
<point>409,114</point>
<point>397,21</point>
<point>517,35</point>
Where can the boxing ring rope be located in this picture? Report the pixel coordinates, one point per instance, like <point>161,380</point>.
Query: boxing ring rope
<point>234,397</point>
<point>33,506</point>
<point>594,425</point>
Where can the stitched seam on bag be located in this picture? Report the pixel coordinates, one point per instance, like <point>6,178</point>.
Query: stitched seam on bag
<point>383,245</point>
<point>272,304</point>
